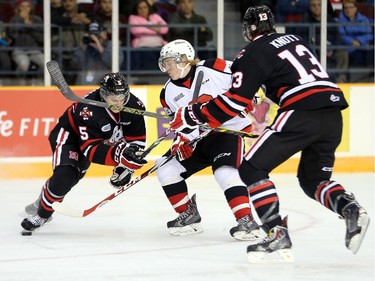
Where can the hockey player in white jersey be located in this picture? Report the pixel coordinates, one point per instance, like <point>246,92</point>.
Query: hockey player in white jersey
<point>223,152</point>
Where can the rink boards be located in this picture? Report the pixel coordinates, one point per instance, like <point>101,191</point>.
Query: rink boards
<point>27,114</point>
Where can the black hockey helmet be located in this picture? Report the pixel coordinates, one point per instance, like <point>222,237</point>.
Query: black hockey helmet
<point>114,84</point>
<point>257,20</point>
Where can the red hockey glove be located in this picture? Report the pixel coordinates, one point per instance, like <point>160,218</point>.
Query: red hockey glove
<point>128,154</point>
<point>181,147</point>
<point>120,176</point>
<point>186,119</point>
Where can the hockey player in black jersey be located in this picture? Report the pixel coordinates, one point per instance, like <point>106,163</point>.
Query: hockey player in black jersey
<point>309,121</point>
<point>222,152</point>
<point>87,133</point>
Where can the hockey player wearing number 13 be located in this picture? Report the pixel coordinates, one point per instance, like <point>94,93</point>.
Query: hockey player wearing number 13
<point>309,121</point>
<point>85,134</point>
<point>223,152</point>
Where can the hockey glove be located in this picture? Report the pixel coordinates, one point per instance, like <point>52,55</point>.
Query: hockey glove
<point>186,119</point>
<point>129,155</point>
<point>181,147</point>
<point>120,176</point>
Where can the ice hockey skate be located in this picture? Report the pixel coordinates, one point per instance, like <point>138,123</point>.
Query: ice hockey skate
<point>188,222</point>
<point>276,247</point>
<point>356,220</point>
<point>33,222</point>
<point>246,230</point>
<point>32,209</point>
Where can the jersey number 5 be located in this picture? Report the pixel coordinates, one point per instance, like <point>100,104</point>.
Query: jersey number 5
<point>306,75</point>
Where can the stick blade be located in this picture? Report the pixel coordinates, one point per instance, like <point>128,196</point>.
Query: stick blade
<point>58,78</point>
<point>65,210</point>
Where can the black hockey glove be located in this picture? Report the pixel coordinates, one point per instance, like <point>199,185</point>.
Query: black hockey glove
<point>129,155</point>
<point>120,176</point>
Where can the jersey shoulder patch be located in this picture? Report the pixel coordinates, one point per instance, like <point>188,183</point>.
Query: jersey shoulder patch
<point>217,64</point>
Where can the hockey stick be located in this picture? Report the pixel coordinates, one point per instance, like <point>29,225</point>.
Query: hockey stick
<point>58,78</point>
<point>198,85</point>
<point>62,85</point>
<point>66,210</point>
<point>155,143</point>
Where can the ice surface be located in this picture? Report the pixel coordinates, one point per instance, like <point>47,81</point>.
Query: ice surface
<point>127,239</point>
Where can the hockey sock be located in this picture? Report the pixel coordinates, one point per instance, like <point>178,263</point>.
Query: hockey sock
<point>238,200</point>
<point>327,194</point>
<point>266,202</point>
<point>178,196</point>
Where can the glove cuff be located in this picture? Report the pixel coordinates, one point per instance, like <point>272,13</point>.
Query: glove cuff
<point>196,115</point>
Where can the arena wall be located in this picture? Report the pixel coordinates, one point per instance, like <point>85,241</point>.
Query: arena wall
<point>27,114</point>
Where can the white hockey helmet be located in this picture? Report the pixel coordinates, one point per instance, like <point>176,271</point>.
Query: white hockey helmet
<point>181,50</point>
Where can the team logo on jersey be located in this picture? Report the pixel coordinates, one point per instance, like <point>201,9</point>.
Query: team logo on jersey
<point>73,155</point>
<point>85,113</point>
<point>334,98</point>
<point>106,128</point>
<point>117,135</point>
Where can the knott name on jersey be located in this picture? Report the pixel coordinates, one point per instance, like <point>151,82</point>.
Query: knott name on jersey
<point>284,40</point>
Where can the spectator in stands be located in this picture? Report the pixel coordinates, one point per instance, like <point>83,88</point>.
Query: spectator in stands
<point>146,36</point>
<point>356,37</point>
<point>291,10</point>
<point>336,58</point>
<point>57,12</point>
<point>98,53</point>
<point>5,63</point>
<point>75,21</point>
<point>163,8</point>
<point>186,15</point>
<point>104,15</point>
<point>27,38</point>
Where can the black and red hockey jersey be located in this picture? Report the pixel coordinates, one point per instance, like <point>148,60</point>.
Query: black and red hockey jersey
<point>288,72</point>
<point>97,129</point>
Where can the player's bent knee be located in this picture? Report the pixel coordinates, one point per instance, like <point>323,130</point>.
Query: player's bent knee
<point>250,175</point>
<point>170,172</point>
<point>63,179</point>
<point>308,186</point>
<point>227,177</point>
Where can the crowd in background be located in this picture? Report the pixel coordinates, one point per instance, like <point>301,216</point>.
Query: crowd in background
<point>81,34</point>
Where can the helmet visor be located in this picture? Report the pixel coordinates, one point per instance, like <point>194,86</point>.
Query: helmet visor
<point>170,61</point>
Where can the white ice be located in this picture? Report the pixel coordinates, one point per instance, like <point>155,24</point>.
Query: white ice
<point>127,238</point>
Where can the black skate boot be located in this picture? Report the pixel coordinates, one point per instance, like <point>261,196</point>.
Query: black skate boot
<point>187,222</point>
<point>32,222</point>
<point>356,220</point>
<point>276,247</point>
<point>247,229</point>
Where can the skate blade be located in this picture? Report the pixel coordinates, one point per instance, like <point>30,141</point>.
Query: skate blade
<point>356,241</point>
<point>278,256</point>
<point>247,236</point>
<point>186,230</point>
